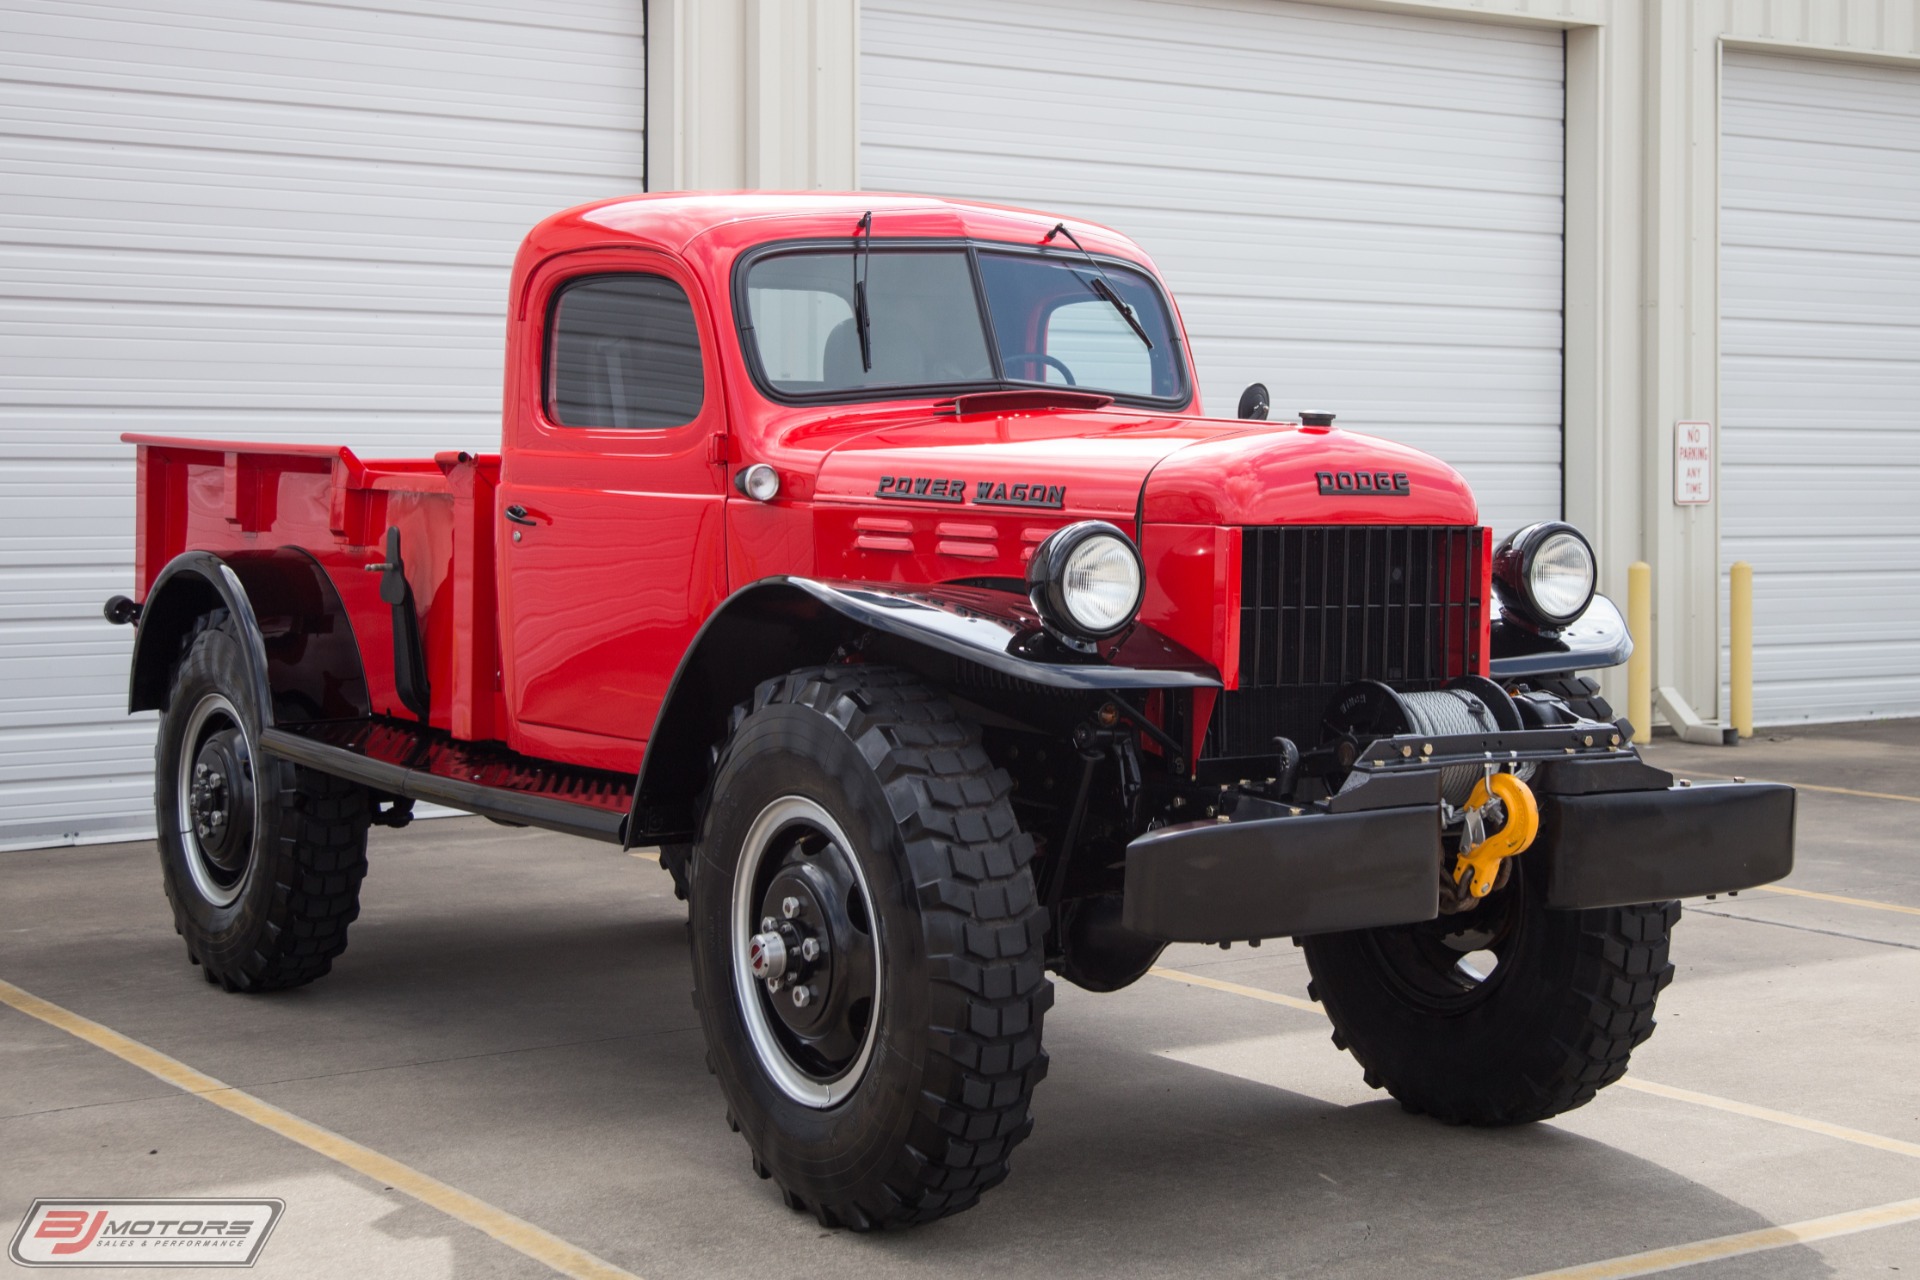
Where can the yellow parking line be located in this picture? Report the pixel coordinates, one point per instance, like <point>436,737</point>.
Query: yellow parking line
<point>1849,791</point>
<point>1734,1246</point>
<point>1808,786</point>
<point>1834,897</point>
<point>651,855</point>
<point>1788,1119</point>
<point>1234,988</point>
<point>516,1233</point>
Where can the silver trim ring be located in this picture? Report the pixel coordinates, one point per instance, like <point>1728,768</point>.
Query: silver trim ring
<point>210,888</point>
<point>749,992</point>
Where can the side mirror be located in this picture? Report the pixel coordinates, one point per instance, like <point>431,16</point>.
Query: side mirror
<point>1254,402</point>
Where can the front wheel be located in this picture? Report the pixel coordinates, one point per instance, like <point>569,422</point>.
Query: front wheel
<point>1505,1014</point>
<point>867,949</point>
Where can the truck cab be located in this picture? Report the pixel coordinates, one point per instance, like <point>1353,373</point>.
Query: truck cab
<point>873,558</point>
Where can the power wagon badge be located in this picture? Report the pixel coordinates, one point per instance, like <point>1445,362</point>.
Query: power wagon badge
<point>986,493</point>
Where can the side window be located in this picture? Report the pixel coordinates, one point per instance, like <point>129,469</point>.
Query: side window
<point>622,351</point>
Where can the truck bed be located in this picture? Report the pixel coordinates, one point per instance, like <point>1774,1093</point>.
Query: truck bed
<point>229,496</point>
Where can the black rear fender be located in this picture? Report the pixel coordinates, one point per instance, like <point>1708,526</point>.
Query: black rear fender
<point>301,652</point>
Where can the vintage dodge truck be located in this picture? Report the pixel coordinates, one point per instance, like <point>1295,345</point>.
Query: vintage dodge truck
<point>871,557</point>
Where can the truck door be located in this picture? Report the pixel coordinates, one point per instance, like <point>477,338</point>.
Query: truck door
<point>612,535</point>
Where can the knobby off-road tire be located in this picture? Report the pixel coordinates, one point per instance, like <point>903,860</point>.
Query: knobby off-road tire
<point>262,860</point>
<point>1582,693</point>
<point>1571,997</point>
<point>860,784</point>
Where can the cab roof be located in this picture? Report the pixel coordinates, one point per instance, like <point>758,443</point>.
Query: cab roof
<point>732,220</point>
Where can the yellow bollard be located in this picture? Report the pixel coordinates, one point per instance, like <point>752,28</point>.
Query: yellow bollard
<point>1640,665</point>
<point>1740,637</point>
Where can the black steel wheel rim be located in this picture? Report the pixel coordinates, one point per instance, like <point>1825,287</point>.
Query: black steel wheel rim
<point>807,959</point>
<point>1454,963</point>
<point>215,799</point>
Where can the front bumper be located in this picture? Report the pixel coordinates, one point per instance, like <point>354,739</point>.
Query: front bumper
<point>1613,831</point>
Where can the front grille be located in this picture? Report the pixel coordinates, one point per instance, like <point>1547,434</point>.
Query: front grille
<point>1323,606</point>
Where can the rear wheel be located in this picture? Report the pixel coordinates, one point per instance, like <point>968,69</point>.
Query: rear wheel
<point>262,860</point>
<point>867,949</point>
<point>1505,1014</point>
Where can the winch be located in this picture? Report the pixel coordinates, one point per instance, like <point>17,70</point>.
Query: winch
<point>1492,809</point>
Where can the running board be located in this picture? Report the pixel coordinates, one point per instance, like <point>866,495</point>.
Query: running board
<point>484,778</point>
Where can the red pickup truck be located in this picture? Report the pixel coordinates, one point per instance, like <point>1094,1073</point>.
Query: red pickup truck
<point>871,556</point>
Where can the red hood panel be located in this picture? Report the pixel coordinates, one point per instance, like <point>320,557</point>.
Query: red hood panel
<point>1284,475</point>
<point>1196,470</point>
<point>1079,464</point>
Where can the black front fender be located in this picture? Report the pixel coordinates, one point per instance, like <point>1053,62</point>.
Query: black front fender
<point>779,624</point>
<point>1596,639</point>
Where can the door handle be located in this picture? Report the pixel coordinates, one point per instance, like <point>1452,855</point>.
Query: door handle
<point>518,514</point>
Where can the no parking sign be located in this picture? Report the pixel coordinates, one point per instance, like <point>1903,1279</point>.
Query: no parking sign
<point>1692,463</point>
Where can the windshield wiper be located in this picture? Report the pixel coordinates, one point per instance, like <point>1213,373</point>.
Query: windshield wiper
<point>1101,287</point>
<point>862,260</point>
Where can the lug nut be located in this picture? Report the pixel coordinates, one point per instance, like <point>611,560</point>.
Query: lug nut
<point>789,907</point>
<point>810,949</point>
<point>802,997</point>
<point>767,924</point>
<point>773,984</point>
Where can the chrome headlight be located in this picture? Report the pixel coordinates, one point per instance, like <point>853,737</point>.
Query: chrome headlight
<point>1545,573</point>
<point>1086,581</point>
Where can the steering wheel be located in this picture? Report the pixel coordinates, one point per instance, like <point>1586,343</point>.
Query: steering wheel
<point>1044,358</point>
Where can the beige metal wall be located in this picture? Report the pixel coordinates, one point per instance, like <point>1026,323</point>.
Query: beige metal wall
<point>760,93</point>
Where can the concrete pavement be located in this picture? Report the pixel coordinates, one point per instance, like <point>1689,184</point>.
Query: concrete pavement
<point>512,1019</point>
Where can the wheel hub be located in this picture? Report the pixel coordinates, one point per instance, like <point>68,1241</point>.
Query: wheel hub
<point>220,801</point>
<point>216,800</point>
<point>804,928</point>
<point>807,961</point>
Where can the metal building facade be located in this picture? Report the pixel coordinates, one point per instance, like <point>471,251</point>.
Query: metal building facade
<point>1531,235</point>
<point>261,219</point>
<point>1361,210</point>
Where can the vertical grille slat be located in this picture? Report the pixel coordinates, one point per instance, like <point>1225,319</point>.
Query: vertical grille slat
<point>1324,605</point>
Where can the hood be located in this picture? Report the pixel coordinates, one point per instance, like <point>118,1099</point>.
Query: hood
<point>1085,465</point>
<point>1094,465</point>
<point>1294,475</point>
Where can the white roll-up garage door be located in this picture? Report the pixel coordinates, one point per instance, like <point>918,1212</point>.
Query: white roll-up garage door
<point>1362,210</point>
<point>255,219</point>
<point>1820,379</point>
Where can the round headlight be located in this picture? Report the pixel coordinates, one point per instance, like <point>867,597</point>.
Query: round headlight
<point>1545,573</point>
<point>1086,580</point>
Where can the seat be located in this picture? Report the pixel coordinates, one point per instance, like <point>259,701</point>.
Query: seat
<point>840,362</point>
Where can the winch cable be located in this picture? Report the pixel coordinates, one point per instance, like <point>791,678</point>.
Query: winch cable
<point>1446,713</point>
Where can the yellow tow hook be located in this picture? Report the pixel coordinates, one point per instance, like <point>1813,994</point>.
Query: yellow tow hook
<point>1521,826</point>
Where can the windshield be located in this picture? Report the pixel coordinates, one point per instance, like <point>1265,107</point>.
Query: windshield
<point>1044,321</point>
